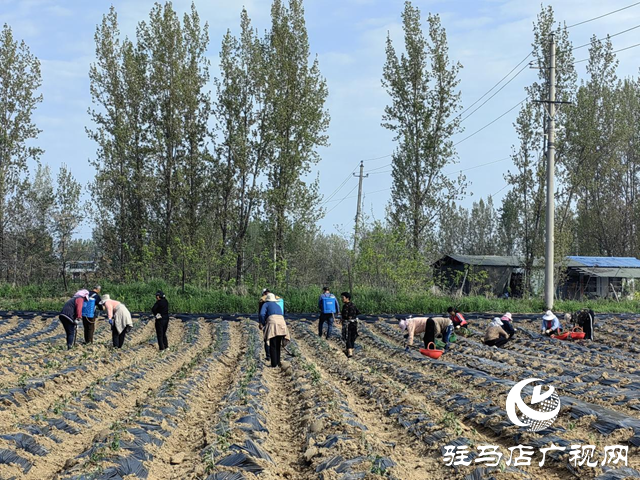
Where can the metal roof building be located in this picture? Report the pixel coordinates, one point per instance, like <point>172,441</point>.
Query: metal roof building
<point>599,277</point>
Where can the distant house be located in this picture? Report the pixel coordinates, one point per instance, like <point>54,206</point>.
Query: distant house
<point>80,268</point>
<point>598,277</point>
<point>480,274</point>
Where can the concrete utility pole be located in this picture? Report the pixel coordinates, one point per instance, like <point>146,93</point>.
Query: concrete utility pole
<point>551,154</point>
<point>360,176</point>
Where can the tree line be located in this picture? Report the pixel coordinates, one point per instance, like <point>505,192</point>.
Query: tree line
<point>207,181</point>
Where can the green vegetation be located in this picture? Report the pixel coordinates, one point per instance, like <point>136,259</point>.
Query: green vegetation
<point>139,297</point>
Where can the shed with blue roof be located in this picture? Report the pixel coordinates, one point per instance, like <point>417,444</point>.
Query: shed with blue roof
<point>599,277</point>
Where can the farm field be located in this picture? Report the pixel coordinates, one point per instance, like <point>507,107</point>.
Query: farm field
<point>210,408</point>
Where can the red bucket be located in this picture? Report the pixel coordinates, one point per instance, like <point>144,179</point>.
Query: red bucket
<point>562,336</point>
<point>431,352</point>
<point>576,334</point>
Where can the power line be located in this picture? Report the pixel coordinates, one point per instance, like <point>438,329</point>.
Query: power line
<point>605,15</point>
<point>344,182</point>
<point>604,38</point>
<point>498,91</point>
<point>615,51</point>
<point>372,159</point>
<point>478,166</point>
<point>489,91</point>
<point>491,122</point>
<point>384,166</point>
<point>342,199</point>
<point>493,195</point>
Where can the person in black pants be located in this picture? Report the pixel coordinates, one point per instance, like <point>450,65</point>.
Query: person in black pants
<point>71,315</point>
<point>349,323</point>
<point>161,312</point>
<point>275,331</point>
<point>262,301</point>
<point>89,322</point>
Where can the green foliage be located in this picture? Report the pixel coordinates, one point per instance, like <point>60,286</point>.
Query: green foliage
<point>139,297</point>
<point>422,84</point>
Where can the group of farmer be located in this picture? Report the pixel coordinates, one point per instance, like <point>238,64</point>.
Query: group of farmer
<point>84,305</point>
<point>275,331</point>
<point>499,331</point>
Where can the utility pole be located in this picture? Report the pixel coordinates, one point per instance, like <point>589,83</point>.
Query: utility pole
<point>551,153</point>
<point>360,176</point>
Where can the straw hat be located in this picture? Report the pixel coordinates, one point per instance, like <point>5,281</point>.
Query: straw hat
<point>270,298</point>
<point>105,297</point>
<point>548,315</point>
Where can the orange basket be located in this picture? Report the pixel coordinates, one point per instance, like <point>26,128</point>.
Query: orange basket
<point>431,352</point>
<point>576,334</point>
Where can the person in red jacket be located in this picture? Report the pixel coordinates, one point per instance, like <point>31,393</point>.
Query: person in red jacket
<point>457,318</point>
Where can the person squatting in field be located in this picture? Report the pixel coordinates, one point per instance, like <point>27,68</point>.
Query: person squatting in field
<point>160,311</point>
<point>507,326</point>
<point>88,314</point>
<point>550,324</point>
<point>495,336</point>
<point>119,318</point>
<point>328,305</point>
<point>71,315</point>
<point>276,333</point>
<point>349,323</point>
<point>457,318</point>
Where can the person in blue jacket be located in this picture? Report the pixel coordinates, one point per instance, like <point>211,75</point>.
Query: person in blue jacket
<point>328,305</point>
<point>274,327</point>
<point>550,324</point>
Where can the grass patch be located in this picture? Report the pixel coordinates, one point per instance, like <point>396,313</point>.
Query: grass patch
<point>139,297</point>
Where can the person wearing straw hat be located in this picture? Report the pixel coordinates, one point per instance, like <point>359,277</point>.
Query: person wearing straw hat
<point>72,314</point>
<point>550,324</point>
<point>275,330</point>
<point>507,326</point>
<point>119,318</point>
<point>160,311</point>
<point>495,336</point>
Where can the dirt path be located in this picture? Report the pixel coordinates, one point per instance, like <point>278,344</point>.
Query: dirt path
<point>383,436</point>
<point>118,407</point>
<point>285,442</point>
<point>194,432</point>
<point>423,398</point>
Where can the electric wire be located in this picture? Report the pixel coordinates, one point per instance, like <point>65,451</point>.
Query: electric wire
<point>604,15</point>
<point>483,103</point>
<point>342,199</point>
<point>615,51</point>
<point>491,122</point>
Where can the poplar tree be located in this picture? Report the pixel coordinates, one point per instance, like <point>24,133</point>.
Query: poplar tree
<point>19,81</point>
<point>67,215</point>
<point>296,94</point>
<point>422,84</point>
<point>243,122</point>
<point>528,179</point>
<point>121,185</point>
<point>177,111</point>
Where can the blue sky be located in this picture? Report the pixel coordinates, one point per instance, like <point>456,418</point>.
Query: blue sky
<point>489,37</point>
